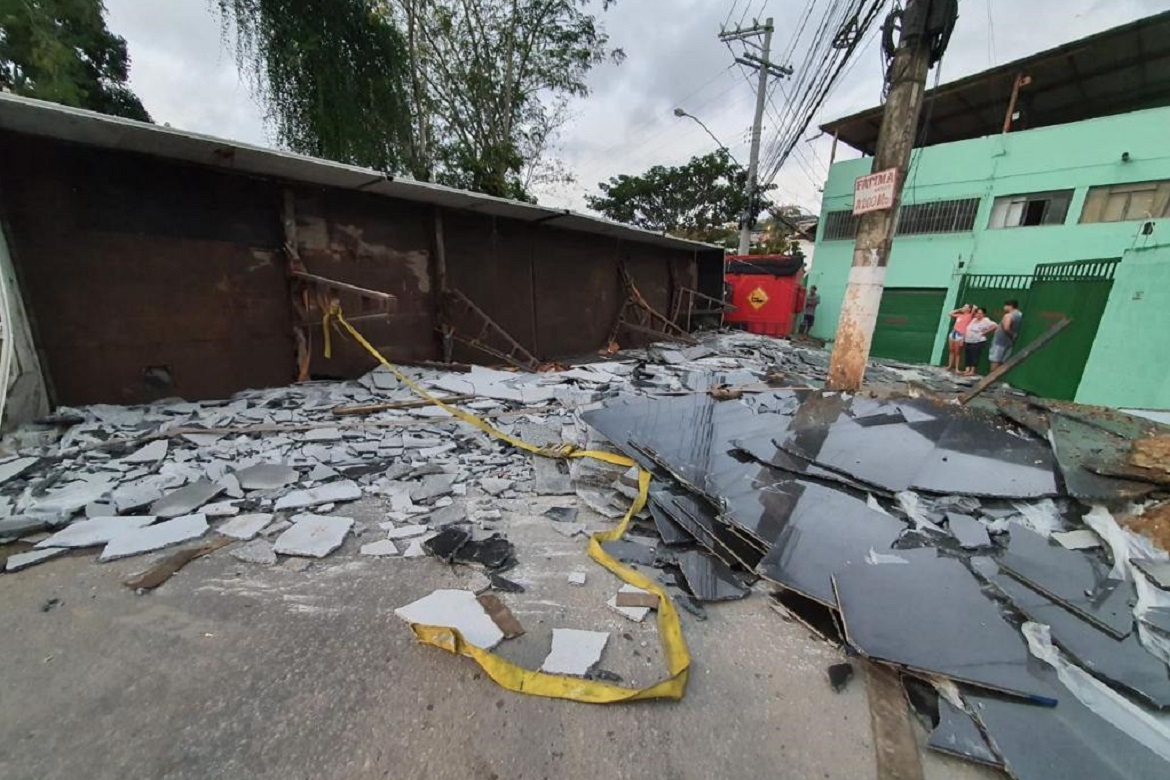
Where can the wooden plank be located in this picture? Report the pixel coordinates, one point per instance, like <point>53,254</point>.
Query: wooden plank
<point>893,734</point>
<point>343,411</point>
<point>1015,360</point>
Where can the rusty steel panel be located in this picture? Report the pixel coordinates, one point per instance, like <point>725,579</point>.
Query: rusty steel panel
<point>650,268</point>
<point>378,244</point>
<point>578,291</point>
<point>130,302</point>
<point>490,261</point>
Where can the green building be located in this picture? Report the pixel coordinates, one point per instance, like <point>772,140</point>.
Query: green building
<point>1071,216</point>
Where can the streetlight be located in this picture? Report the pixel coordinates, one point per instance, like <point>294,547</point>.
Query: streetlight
<point>747,217</point>
<point>680,113</point>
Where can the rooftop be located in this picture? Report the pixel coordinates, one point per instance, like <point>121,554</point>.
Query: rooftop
<point>1122,69</point>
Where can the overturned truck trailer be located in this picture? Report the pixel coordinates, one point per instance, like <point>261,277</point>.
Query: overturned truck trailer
<point>146,262</point>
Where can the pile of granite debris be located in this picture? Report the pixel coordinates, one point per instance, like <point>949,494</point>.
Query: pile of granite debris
<point>975,550</point>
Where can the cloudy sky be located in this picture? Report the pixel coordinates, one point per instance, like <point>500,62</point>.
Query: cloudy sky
<point>187,78</point>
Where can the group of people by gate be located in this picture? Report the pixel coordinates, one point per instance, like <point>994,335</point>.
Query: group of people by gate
<point>971,330</point>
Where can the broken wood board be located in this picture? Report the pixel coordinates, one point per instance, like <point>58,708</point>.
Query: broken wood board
<point>166,568</point>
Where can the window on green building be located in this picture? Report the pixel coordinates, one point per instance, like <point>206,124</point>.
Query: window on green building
<point>1123,202</point>
<point>941,216</point>
<point>840,225</point>
<point>1033,208</point>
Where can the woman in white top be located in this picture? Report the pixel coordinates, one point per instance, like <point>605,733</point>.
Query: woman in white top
<point>975,339</point>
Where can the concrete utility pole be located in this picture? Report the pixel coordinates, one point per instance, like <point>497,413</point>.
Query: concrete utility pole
<point>875,229</point>
<point>765,68</point>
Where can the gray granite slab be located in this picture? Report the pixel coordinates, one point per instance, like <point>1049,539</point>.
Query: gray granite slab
<point>313,536</point>
<point>154,537</point>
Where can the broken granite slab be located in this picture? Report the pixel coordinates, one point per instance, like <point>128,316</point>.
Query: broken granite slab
<point>14,468</point>
<point>380,548</point>
<point>256,551</point>
<point>313,536</point>
<point>151,453</point>
<point>330,492</point>
<point>457,609</point>
<point>432,486</point>
<point>24,560</point>
<point>574,652</point>
<point>154,537</point>
<point>94,531</point>
<point>221,509</point>
<point>22,525</point>
<point>186,499</point>
<point>970,533</point>
<point>415,549</point>
<point>403,532</point>
<point>494,486</point>
<point>245,527</point>
<point>322,434</point>
<point>269,476</point>
<point>636,614</point>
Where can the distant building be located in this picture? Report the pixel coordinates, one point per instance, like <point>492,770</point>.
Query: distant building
<point>1069,212</point>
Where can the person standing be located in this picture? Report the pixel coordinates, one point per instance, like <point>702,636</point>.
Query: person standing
<point>975,339</point>
<point>810,310</point>
<point>962,317</point>
<point>1006,334</point>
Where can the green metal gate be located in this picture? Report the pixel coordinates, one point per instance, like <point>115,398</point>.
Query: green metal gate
<point>907,324</point>
<point>1079,291</point>
<point>989,291</point>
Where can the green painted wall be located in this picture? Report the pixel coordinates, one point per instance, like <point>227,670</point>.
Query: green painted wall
<point>1130,362</point>
<point>1074,156</point>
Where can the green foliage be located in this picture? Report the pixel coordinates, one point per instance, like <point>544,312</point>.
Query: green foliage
<point>464,92</point>
<point>492,79</point>
<point>703,199</point>
<point>61,50</point>
<point>332,75</point>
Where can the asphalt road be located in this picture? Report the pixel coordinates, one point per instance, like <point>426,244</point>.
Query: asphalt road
<point>233,670</point>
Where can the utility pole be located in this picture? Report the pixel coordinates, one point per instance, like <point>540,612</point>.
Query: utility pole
<point>765,68</point>
<point>916,51</point>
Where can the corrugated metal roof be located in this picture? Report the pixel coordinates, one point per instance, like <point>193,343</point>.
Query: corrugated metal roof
<point>74,125</point>
<point>1122,69</point>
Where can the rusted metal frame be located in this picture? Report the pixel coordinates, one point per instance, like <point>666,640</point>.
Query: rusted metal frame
<point>627,325</point>
<point>328,286</point>
<point>635,295</point>
<point>533,307</point>
<point>297,301</point>
<point>346,411</point>
<point>1022,80</point>
<point>527,361</point>
<point>1016,360</point>
<point>446,345</point>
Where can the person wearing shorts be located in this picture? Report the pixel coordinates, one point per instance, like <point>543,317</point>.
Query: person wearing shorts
<point>962,317</point>
<point>976,339</point>
<point>1006,334</point>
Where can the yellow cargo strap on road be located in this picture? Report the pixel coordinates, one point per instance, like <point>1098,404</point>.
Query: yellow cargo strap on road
<point>505,673</point>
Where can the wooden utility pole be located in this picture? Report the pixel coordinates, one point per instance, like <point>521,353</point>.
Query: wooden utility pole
<point>766,68</point>
<point>875,230</point>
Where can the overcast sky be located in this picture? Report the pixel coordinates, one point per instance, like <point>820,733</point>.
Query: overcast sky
<point>187,77</point>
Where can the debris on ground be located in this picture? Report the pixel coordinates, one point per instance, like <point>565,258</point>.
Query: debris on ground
<point>574,652</point>
<point>926,537</point>
<point>839,676</point>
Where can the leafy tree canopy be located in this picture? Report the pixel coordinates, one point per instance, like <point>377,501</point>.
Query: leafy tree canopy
<point>703,199</point>
<point>61,50</point>
<point>465,92</point>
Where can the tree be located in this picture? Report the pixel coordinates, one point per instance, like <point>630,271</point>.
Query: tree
<point>491,80</point>
<point>703,199</point>
<point>61,51</point>
<point>780,230</point>
<point>332,75</point>
<point>465,92</point>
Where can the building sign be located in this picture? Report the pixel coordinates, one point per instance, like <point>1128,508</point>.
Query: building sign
<point>757,298</point>
<point>874,192</point>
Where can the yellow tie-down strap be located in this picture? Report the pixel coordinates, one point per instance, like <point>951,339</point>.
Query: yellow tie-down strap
<point>506,673</point>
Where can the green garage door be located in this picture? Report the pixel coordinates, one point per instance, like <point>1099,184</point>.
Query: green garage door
<point>907,324</point>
